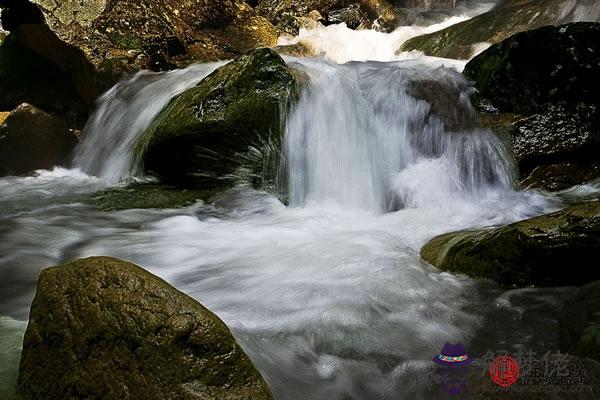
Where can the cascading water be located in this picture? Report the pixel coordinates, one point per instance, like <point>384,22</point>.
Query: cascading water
<point>359,138</point>
<point>329,295</point>
<point>124,113</point>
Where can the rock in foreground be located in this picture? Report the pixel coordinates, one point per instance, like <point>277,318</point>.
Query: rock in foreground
<point>226,128</point>
<point>548,250</point>
<point>579,322</point>
<point>104,328</point>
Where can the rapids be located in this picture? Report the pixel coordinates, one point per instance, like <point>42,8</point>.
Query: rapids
<point>328,295</point>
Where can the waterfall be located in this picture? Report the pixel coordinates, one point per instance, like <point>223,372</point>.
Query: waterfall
<point>124,113</point>
<point>358,137</point>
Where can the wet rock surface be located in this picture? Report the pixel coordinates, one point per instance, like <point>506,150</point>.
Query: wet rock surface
<point>103,327</point>
<point>579,322</point>
<point>226,128</point>
<point>539,251</point>
<point>503,21</point>
<point>31,139</point>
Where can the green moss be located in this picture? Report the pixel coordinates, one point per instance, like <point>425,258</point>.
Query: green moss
<point>493,26</point>
<point>207,135</point>
<point>149,196</point>
<point>538,251</point>
<point>127,41</point>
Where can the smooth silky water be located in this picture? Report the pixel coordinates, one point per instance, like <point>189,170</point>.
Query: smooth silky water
<point>328,295</point>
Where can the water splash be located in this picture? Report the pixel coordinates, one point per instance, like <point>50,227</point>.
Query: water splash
<point>357,137</point>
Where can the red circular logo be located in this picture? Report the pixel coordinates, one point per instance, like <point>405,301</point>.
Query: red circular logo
<point>504,371</point>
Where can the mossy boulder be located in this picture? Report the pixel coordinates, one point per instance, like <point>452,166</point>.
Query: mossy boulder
<point>105,328</point>
<point>579,322</point>
<point>31,139</point>
<point>547,65</point>
<point>148,196</point>
<point>227,128</point>
<point>543,251</point>
<point>458,41</point>
<point>157,34</point>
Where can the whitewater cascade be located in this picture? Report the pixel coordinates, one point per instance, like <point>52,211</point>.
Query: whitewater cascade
<point>358,136</point>
<point>123,113</point>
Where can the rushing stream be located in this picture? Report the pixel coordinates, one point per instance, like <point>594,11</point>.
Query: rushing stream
<point>328,295</point>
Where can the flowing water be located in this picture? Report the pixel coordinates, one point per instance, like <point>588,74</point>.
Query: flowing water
<point>328,294</point>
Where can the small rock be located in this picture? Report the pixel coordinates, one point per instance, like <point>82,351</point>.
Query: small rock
<point>32,139</point>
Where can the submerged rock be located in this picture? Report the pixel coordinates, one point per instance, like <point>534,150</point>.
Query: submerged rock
<point>31,139</point>
<point>459,41</point>
<point>539,251</point>
<point>226,128</point>
<point>579,322</point>
<point>102,327</point>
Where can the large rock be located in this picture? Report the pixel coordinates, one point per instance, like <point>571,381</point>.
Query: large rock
<point>460,40</point>
<point>547,65</point>
<point>544,251</point>
<point>579,322</point>
<point>541,79</point>
<point>104,328</point>
<point>158,34</point>
<point>229,125</point>
<point>31,139</point>
<point>28,77</point>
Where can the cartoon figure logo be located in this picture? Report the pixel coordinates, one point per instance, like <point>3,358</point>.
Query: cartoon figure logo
<point>454,362</point>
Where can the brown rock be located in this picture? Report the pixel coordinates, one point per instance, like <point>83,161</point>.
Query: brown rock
<point>105,328</point>
<point>31,139</point>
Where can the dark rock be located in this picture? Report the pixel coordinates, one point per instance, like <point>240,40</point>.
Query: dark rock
<point>227,128</point>
<point>562,176</point>
<point>157,34</point>
<point>31,139</point>
<point>505,20</point>
<point>579,322</point>
<point>19,12</point>
<point>542,251</point>
<point>284,14</point>
<point>449,101</point>
<point>352,16</point>
<point>560,146</point>
<point>547,65</point>
<point>105,328</point>
<point>27,77</point>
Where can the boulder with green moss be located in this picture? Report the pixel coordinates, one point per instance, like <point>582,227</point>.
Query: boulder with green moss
<point>105,328</point>
<point>459,41</point>
<point>227,128</point>
<point>548,250</point>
